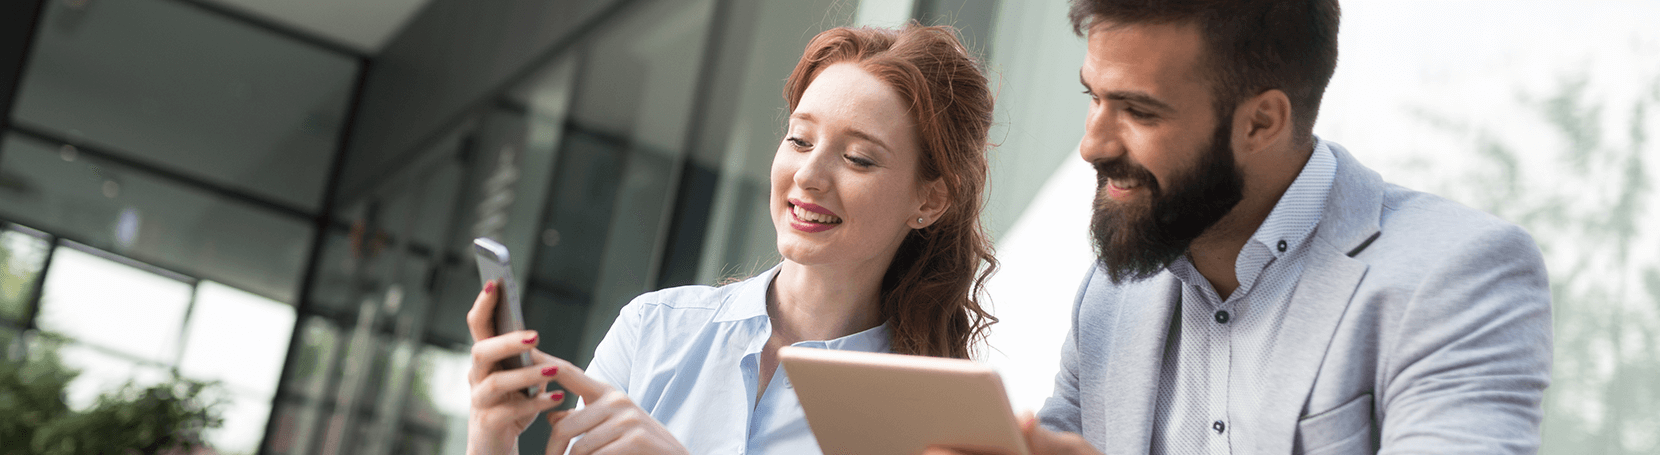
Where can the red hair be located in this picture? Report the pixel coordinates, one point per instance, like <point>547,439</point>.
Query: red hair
<point>932,290</point>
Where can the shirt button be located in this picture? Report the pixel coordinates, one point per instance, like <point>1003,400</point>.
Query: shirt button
<point>1282,246</point>
<point>1222,317</point>
<point>1218,426</point>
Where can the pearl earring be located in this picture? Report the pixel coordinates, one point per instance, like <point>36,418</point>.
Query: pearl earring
<point>920,221</point>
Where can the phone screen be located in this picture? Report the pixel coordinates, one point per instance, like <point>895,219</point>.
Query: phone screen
<point>494,264</point>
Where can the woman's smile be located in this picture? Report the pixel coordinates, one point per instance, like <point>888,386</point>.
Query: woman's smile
<point>809,217</point>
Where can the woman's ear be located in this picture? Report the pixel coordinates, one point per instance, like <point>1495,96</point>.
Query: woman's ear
<point>936,198</point>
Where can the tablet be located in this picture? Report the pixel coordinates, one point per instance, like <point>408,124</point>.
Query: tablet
<point>868,403</point>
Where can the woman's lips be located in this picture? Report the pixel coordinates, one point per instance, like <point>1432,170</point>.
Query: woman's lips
<point>809,217</point>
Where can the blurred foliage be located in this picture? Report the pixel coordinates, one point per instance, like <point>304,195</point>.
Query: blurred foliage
<point>21,260</point>
<point>34,419</point>
<point>1584,198</point>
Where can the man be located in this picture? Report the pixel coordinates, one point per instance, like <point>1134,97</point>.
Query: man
<point>1259,290</point>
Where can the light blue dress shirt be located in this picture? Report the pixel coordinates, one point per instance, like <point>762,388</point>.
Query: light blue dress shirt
<point>690,357</point>
<point>1215,373</point>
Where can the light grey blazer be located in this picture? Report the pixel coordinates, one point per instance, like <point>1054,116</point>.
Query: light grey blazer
<point>1419,325</point>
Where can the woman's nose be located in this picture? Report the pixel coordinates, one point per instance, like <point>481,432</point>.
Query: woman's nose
<point>814,175</point>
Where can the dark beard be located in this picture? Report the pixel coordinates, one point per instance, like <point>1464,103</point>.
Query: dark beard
<point>1135,241</point>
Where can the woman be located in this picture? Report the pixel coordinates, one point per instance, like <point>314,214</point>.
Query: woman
<point>876,197</point>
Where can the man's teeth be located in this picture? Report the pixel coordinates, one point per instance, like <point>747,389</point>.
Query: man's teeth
<point>815,217</point>
<point>1125,184</point>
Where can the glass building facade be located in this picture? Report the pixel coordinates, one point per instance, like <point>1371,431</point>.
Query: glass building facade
<point>193,189</point>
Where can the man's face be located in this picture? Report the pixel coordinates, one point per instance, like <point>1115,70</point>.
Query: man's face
<point>1163,158</point>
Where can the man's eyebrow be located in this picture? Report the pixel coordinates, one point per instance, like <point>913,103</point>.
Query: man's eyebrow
<point>1137,97</point>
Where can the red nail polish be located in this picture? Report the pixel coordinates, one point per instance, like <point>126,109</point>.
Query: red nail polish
<point>490,287</point>
<point>530,340</point>
<point>550,371</point>
<point>557,395</point>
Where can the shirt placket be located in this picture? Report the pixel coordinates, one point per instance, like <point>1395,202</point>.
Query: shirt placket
<point>1221,368</point>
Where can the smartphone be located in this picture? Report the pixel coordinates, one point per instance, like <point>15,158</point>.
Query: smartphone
<point>493,264</point>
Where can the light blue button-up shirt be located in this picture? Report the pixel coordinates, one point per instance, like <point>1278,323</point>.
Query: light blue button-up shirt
<point>1215,370</point>
<point>690,357</point>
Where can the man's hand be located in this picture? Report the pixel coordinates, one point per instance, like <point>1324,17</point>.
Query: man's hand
<point>1039,441</point>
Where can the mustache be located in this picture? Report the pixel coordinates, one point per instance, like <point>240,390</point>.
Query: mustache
<point>1122,169</point>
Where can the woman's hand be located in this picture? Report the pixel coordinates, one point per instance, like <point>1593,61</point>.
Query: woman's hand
<point>500,410</point>
<point>610,423</point>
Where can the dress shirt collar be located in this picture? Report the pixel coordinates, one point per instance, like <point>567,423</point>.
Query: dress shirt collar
<point>1299,209</point>
<point>750,299</point>
<point>1292,221</point>
<point>750,302</point>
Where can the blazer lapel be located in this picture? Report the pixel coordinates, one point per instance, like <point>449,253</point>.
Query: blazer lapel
<point>1317,306</point>
<point>1348,225</point>
<point>1131,387</point>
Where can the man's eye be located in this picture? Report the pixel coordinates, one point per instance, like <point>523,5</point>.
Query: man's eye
<point>1139,114</point>
<point>1090,94</point>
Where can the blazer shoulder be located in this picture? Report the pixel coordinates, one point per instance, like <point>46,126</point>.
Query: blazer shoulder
<point>1420,225</point>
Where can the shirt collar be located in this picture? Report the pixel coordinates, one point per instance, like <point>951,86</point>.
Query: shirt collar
<point>1291,221</point>
<point>749,299</point>
<point>1299,209</point>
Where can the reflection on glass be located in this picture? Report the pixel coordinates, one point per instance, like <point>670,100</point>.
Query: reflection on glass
<point>113,306</point>
<point>152,219</point>
<point>22,256</point>
<point>189,90</point>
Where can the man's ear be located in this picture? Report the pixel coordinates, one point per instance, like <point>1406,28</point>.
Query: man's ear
<point>936,198</point>
<point>1263,122</point>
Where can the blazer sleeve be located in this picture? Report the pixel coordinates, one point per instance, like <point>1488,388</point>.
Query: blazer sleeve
<point>1472,352</point>
<point>1061,411</point>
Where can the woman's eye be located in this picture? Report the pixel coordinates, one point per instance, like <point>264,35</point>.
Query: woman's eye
<point>797,142</point>
<point>860,161</point>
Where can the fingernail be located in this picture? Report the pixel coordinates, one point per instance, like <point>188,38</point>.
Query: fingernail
<point>490,287</point>
<point>531,339</point>
<point>550,371</point>
<point>557,395</point>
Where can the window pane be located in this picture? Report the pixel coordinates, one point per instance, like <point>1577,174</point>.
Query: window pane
<point>189,90</point>
<point>113,306</point>
<point>151,219</point>
<point>102,372</point>
<point>245,417</point>
<point>237,337</point>
<point>22,255</point>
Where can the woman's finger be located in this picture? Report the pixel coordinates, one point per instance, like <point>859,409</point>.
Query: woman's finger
<point>557,446</point>
<point>481,319</point>
<point>573,379</point>
<point>512,381</point>
<point>598,410</point>
<point>603,434</point>
<point>489,352</point>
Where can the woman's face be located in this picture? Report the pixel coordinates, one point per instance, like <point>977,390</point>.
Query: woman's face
<point>844,182</point>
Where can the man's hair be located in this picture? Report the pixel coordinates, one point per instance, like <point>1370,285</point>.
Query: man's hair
<point>1252,46</point>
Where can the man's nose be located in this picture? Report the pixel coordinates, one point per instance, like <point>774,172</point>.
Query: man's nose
<point>1101,140</point>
